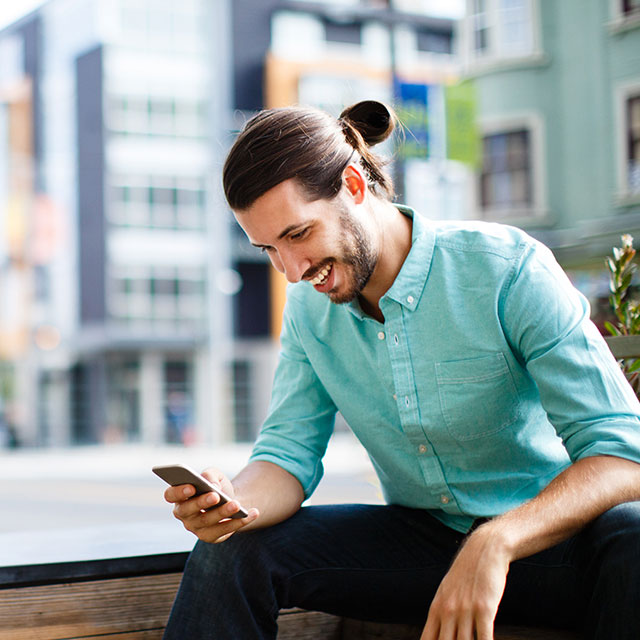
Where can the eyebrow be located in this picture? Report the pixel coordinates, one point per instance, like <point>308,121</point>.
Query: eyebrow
<point>285,232</point>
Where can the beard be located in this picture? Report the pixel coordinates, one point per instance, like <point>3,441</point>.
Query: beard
<point>357,255</point>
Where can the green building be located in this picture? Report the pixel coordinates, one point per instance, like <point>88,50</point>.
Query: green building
<point>558,89</point>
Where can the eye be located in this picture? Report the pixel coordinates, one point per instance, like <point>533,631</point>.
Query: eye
<point>299,234</point>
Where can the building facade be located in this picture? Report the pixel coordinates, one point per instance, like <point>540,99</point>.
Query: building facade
<point>120,244</point>
<point>558,88</point>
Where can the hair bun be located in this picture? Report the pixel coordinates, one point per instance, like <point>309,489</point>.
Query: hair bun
<point>372,119</point>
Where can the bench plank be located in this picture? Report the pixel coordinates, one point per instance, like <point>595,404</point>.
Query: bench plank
<point>137,608</point>
<point>296,624</point>
<point>136,605</point>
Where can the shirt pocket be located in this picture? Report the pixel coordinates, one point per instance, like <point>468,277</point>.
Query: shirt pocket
<point>478,396</point>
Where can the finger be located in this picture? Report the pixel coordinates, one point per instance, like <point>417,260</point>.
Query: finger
<point>179,493</point>
<point>484,630</point>
<point>195,506</point>
<point>215,476</point>
<point>214,515</point>
<point>431,628</point>
<point>227,528</point>
<point>465,629</point>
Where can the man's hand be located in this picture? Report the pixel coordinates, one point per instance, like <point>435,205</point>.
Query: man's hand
<point>198,516</point>
<point>467,600</point>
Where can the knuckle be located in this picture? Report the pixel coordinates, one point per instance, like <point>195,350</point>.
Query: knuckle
<point>449,608</point>
<point>482,608</point>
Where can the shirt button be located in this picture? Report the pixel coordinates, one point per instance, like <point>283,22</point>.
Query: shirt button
<point>395,339</point>
<point>395,397</point>
<point>381,335</point>
<point>444,499</point>
<point>410,299</point>
<point>407,401</point>
<point>422,448</point>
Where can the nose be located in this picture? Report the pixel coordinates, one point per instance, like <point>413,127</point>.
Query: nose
<point>291,264</point>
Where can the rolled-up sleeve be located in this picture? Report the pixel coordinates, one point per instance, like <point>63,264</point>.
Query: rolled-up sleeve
<point>586,396</point>
<point>301,416</point>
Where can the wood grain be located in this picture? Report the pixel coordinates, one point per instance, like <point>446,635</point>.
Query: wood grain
<point>83,609</point>
<point>137,608</point>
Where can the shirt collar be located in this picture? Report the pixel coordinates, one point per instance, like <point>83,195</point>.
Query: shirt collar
<point>409,284</point>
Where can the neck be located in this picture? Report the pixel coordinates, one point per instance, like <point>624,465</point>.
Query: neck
<point>394,243</point>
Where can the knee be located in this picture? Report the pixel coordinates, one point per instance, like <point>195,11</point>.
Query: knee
<point>613,541</point>
<point>618,526</point>
<point>235,555</point>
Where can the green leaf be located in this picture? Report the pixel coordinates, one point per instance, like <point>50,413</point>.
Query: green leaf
<point>612,329</point>
<point>634,367</point>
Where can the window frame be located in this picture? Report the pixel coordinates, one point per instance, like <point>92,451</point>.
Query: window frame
<point>495,56</point>
<point>620,19</point>
<point>538,211</point>
<point>623,92</point>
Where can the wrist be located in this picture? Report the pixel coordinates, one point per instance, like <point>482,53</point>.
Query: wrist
<point>496,539</point>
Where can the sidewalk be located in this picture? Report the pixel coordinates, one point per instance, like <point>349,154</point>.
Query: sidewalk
<point>94,486</point>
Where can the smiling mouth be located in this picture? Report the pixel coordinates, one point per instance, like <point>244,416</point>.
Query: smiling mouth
<point>322,276</point>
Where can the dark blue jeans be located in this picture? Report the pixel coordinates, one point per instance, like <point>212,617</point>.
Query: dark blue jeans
<point>384,563</point>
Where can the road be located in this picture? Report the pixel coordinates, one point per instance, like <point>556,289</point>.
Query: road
<point>84,487</point>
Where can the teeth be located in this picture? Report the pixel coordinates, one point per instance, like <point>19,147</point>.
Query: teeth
<point>321,277</point>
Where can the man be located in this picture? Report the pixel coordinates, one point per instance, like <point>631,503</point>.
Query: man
<point>504,435</point>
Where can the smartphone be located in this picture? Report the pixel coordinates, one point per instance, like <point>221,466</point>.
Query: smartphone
<point>176,474</point>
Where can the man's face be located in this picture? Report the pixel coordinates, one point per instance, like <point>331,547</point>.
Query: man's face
<point>322,242</point>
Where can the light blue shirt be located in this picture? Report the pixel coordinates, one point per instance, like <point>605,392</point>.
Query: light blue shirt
<point>485,381</point>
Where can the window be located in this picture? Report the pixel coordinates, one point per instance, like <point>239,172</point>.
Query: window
<point>434,41</point>
<point>156,116</point>
<point>515,21</point>
<point>633,144</point>
<point>344,32</point>
<point>506,177</point>
<point>630,7</point>
<point>497,30</point>
<point>157,202</point>
<point>480,26</point>
<point>164,296</point>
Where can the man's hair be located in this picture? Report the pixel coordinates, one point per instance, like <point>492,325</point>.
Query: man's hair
<point>311,146</point>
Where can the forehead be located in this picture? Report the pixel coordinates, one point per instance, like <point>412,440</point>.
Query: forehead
<point>283,207</point>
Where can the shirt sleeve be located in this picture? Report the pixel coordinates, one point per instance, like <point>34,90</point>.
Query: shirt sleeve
<point>585,394</point>
<point>301,415</point>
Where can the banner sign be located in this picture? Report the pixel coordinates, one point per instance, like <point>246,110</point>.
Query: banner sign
<point>463,139</point>
<point>412,106</point>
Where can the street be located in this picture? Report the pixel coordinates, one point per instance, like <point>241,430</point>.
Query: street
<point>53,489</point>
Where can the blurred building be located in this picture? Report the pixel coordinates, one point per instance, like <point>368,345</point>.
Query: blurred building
<point>558,87</point>
<point>117,290</point>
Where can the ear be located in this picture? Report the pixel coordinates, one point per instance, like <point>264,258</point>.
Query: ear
<point>355,183</point>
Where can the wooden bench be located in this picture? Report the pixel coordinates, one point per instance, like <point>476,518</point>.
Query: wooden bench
<point>129,597</point>
<point>137,607</point>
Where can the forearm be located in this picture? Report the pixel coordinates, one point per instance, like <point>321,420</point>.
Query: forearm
<point>273,491</point>
<point>581,493</point>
